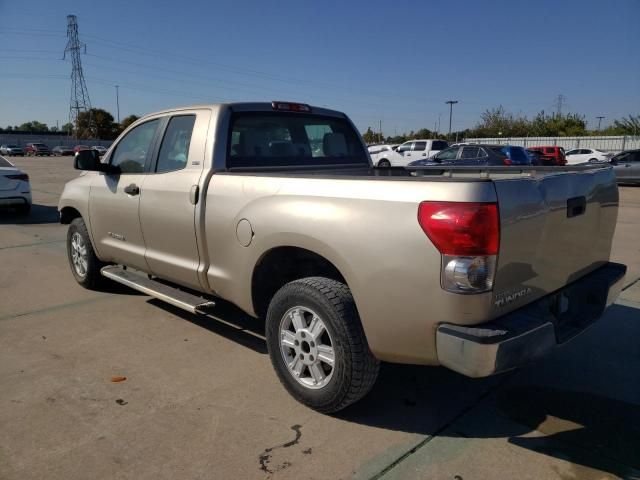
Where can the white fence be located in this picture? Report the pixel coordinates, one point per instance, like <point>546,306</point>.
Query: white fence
<point>608,144</point>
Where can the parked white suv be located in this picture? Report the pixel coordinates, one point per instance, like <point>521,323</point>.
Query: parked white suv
<point>582,155</point>
<point>411,151</point>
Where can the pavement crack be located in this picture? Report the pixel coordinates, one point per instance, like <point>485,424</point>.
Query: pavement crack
<point>32,244</point>
<point>428,438</point>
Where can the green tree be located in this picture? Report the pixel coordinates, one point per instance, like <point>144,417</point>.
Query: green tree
<point>67,127</point>
<point>126,121</point>
<point>568,125</point>
<point>96,123</point>
<point>369,136</point>
<point>626,126</point>
<point>33,126</point>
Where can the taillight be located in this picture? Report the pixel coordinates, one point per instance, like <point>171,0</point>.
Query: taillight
<point>21,176</point>
<point>468,236</point>
<point>507,161</point>
<point>457,228</point>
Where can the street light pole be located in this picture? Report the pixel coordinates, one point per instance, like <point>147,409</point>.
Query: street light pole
<point>599,120</point>
<point>118,102</point>
<point>451,103</point>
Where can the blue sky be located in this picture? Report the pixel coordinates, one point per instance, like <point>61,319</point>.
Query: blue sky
<point>394,61</point>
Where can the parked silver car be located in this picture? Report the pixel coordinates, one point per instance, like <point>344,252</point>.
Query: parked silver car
<point>626,165</point>
<point>13,150</point>
<point>15,190</point>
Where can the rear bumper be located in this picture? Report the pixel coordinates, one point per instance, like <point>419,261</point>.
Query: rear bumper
<point>532,331</point>
<point>16,200</point>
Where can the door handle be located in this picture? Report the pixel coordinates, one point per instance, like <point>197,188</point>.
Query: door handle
<point>627,166</point>
<point>424,154</point>
<point>132,189</point>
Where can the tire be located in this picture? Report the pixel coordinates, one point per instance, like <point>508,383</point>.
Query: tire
<point>593,160</point>
<point>89,276</point>
<point>354,370</point>
<point>384,164</point>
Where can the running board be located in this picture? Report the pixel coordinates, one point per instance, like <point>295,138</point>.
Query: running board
<point>166,293</point>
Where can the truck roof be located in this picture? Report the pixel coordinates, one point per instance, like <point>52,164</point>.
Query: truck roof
<point>246,107</point>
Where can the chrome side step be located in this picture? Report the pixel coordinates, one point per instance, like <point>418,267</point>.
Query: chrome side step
<point>166,293</point>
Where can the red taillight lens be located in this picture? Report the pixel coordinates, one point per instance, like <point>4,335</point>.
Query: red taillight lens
<point>461,229</point>
<point>507,161</point>
<point>21,176</point>
<point>291,107</point>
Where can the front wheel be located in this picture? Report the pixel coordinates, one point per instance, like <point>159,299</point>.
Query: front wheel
<point>83,261</point>
<point>317,345</point>
<point>384,163</point>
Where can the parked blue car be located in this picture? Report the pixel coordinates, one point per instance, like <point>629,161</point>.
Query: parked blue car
<point>481,155</point>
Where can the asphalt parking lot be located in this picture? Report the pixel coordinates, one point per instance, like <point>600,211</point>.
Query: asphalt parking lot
<point>201,401</point>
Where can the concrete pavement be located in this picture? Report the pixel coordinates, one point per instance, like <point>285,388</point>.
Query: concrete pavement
<point>201,401</point>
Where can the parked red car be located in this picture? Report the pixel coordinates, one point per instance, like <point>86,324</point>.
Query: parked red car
<point>551,155</point>
<point>77,148</point>
<point>36,149</point>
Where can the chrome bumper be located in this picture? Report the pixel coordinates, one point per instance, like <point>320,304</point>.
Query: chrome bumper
<point>530,332</point>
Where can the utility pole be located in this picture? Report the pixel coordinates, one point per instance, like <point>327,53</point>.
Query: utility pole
<point>79,95</point>
<point>599,120</point>
<point>380,130</point>
<point>118,102</point>
<point>451,104</point>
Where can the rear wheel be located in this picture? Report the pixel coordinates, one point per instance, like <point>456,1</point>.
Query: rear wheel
<point>84,263</point>
<point>593,160</point>
<point>384,163</point>
<point>317,345</point>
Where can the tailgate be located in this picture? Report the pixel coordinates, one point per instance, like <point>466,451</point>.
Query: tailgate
<point>554,229</point>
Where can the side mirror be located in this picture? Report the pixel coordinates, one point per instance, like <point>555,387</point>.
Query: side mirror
<point>89,160</point>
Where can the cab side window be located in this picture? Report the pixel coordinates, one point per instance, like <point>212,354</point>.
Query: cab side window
<point>131,152</point>
<point>419,146</point>
<point>174,151</point>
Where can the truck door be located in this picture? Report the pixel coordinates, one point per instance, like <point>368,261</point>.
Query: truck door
<point>115,198</point>
<point>171,193</point>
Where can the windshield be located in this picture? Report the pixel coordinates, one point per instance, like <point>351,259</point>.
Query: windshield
<point>277,139</point>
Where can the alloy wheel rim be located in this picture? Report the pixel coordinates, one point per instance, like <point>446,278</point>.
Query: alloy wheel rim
<point>307,347</point>
<point>79,254</point>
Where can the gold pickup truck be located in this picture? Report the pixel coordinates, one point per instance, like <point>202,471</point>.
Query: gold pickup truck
<point>276,208</point>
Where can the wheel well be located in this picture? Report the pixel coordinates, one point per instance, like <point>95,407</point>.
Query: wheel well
<point>68,214</point>
<point>282,265</point>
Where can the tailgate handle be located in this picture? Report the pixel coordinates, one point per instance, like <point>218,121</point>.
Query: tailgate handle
<point>576,206</point>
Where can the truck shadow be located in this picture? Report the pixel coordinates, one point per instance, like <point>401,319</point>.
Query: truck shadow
<point>40,214</point>
<point>228,321</point>
<point>590,430</point>
<point>587,413</point>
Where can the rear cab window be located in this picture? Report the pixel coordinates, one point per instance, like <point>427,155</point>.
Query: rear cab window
<point>439,145</point>
<point>287,139</point>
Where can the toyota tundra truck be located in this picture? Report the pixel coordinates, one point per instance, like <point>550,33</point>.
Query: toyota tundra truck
<point>276,208</point>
